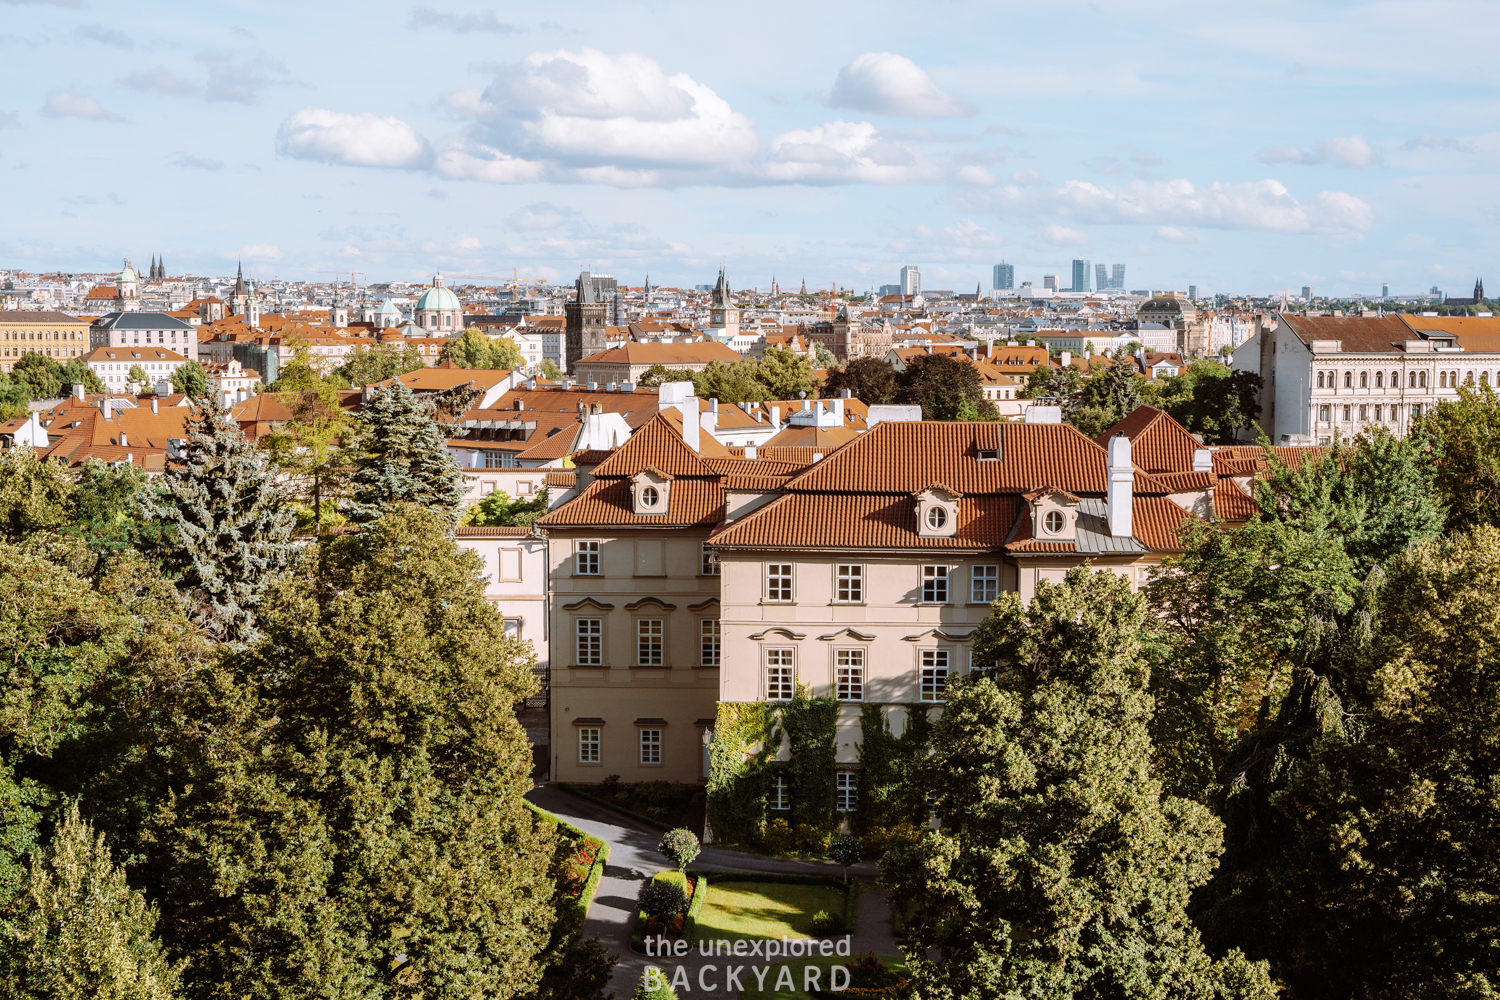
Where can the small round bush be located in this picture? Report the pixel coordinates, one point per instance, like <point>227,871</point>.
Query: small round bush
<point>662,991</point>
<point>680,846</point>
<point>662,900</point>
<point>846,850</point>
<point>824,922</point>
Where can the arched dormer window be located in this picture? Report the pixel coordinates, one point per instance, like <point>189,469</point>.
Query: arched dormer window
<point>937,512</point>
<point>1054,514</point>
<point>650,493</point>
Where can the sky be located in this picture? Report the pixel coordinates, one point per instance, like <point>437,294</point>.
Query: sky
<point>1243,148</point>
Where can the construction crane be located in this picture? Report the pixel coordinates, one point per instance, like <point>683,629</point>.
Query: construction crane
<point>514,279</point>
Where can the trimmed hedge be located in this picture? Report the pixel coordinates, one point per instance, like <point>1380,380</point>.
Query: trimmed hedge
<point>851,903</point>
<point>690,922</point>
<point>601,853</point>
<point>836,881</point>
<point>572,789</point>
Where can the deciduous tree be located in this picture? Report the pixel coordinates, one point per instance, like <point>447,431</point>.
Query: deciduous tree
<point>941,386</point>
<point>870,380</point>
<point>190,379</point>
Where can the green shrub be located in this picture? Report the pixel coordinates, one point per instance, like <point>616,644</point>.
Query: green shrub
<point>846,850</point>
<point>663,990</point>
<point>824,922</point>
<point>680,847</point>
<point>652,793</point>
<point>778,838</point>
<point>662,899</point>
<point>811,839</point>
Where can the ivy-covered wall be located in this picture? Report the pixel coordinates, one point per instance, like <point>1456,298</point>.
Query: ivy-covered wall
<point>887,800</point>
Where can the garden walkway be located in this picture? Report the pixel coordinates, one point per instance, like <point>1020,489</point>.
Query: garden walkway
<point>634,858</point>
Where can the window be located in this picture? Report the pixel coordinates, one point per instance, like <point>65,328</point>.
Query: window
<point>590,642</point>
<point>1379,379</point>
<point>851,583</point>
<point>1054,521</point>
<point>1377,411</point>
<point>781,799</point>
<point>1484,378</point>
<point>1364,380</point>
<point>1411,380</point>
<point>586,559</point>
<point>649,496</point>
<point>935,584</point>
<point>1320,380</point>
<point>1416,410</point>
<point>1323,414</point>
<point>588,746</point>
<point>1395,380</point>
<point>984,585</point>
<point>710,561</point>
<point>1346,414</point>
<point>936,518</point>
<point>650,746</point>
<point>497,460</point>
<point>1363,412</point>
<point>1348,380</point>
<point>934,674</point>
<point>780,681</point>
<point>708,632</point>
<point>1442,380</point>
<point>778,581</point>
<point>846,789</point>
<point>648,642</point>
<point>1421,380</point>
<point>849,670</point>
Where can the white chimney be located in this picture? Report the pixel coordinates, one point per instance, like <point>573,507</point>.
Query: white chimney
<point>749,451</point>
<point>1203,460</point>
<point>153,405</point>
<point>1067,358</point>
<point>240,396</point>
<point>1121,491</point>
<point>776,417</point>
<point>690,426</point>
<point>78,391</point>
<point>124,441</point>
<point>106,407</point>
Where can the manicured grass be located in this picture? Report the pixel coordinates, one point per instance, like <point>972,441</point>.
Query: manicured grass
<point>765,909</point>
<point>751,992</point>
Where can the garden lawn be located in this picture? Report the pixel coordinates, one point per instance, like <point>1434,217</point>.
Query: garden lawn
<point>765,909</point>
<point>752,992</point>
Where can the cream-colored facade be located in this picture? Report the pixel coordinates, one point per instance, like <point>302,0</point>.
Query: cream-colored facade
<point>53,334</point>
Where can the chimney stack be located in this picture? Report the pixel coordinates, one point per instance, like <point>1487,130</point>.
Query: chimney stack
<point>1119,500</point>
<point>106,407</point>
<point>78,391</point>
<point>1203,460</point>
<point>154,405</point>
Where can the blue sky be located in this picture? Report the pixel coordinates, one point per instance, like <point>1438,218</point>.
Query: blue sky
<point>1242,148</point>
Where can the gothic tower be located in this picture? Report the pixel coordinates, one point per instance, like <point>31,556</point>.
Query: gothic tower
<point>584,329</point>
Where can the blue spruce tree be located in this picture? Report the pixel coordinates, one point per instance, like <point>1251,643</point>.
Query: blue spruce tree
<point>403,458</point>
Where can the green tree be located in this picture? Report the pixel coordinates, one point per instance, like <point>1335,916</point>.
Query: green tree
<point>15,398</point>
<point>472,349</point>
<point>1360,843</point>
<point>138,374</point>
<point>823,357</point>
<point>1062,382</point>
<point>1061,869</point>
<point>1212,400</point>
<point>35,495</point>
<point>75,372</point>
<point>106,512</point>
<point>190,379</point>
<point>731,384</point>
<point>870,380</point>
<point>41,375</point>
<point>82,933</point>
<point>941,385</point>
<point>379,362</point>
<point>403,458</point>
<point>500,510</point>
<point>313,450</point>
<point>231,523</point>
<point>785,374</point>
<point>358,826</point>
<point>1463,437</point>
<point>550,371</point>
<point>303,373</point>
<point>658,375</point>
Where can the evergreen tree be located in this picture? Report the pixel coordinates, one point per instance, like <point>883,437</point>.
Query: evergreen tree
<point>230,519</point>
<point>356,828</point>
<point>190,379</point>
<point>403,458</point>
<point>82,933</point>
<point>1061,870</point>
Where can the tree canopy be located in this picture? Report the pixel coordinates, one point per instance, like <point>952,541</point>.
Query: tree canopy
<point>190,379</point>
<point>403,457</point>
<point>472,349</point>
<point>870,380</point>
<point>945,388</point>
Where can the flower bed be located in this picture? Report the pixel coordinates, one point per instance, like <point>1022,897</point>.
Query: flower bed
<point>870,977</point>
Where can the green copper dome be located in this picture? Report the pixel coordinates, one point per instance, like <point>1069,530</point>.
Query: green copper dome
<point>438,298</point>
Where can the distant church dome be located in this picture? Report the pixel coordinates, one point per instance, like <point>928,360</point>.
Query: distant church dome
<point>128,274</point>
<point>438,298</point>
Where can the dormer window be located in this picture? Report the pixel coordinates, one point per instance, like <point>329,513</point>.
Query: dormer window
<point>937,512</point>
<point>1054,513</point>
<point>1055,522</point>
<point>650,493</point>
<point>937,518</point>
<point>650,497</point>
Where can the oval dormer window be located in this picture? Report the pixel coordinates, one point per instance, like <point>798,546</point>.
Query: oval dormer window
<point>1054,521</point>
<point>937,517</point>
<point>649,496</point>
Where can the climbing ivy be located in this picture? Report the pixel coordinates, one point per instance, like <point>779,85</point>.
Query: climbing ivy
<point>886,798</point>
<point>738,777</point>
<point>811,726</point>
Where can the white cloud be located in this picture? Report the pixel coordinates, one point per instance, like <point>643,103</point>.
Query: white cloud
<point>106,36</point>
<point>1055,237</point>
<point>1438,143</point>
<point>975,175</point>
<point>463,24</point>
<point>357,140</point>
<point>240,80</point>
<point>884,83</point>
<point>1341,151</point>
<point>841,152</point>
<point>483,163</point>
<point>1256,205</point>
<point>1171,234</point>
<point>66,104</point>
<point>158,81</point>
<point>259,251</point>
<point>589,108</point>
<point>197,162</point>
<point>469,243</point>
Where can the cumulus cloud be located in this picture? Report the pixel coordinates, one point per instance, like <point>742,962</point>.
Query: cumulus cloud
<point>884,83</point>
<point>1171,234</point>
<point>841,152</point>
<point>1438,143</point>
<point>463,24</point>
<point>469,243</point>
<point>106,36</point>
<point>363,140</point>
<point>1256,205</point>
<point>974,174</point>
<point>477,162</point>
<point>1340,151</point>
<point>197,162</point>
<point>240,80</point>
<point>66,104</point>
<point>1058,237</point>
<point>159,81</point>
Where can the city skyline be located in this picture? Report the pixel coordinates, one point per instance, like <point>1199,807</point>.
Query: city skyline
<point>634,140</point>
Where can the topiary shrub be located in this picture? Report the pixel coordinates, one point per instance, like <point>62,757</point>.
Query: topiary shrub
<point>824,922</point>
<point>662,900</point>
<point>680,846</point>
<point>846,850</point>
<point>654,986</point>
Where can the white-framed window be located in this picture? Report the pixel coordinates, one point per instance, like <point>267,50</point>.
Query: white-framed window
<point>849,674</point>
<point>497,460</point>
<point>649,496</point>
<point>937,517</point>
<point>984,584</point>
<point>588,745</point>
<point>934,584</point>
<point>710,561</point>
<point>1055,521</point>
<point>846,791</point>
<point>708,632</point>
<point>513,627</point>
<point>650,746</point>
<point>781,678</point>
<point>778,581</point>
<point>781,797</point>
<point>590,642</point>
<point>934,675</point>
<point>648,642</point>
<point>586,559</point>
<point>850,587</point>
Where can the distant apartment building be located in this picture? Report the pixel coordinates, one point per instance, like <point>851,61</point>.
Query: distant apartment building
<point>1005,277</point>
<point>1049,281</point>
<point>53,334</point>
<point>145,329</point>
<point>911,280</point>
<point>1193,292</point>
<point>1307,293</point>
<point>1080,274</point>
